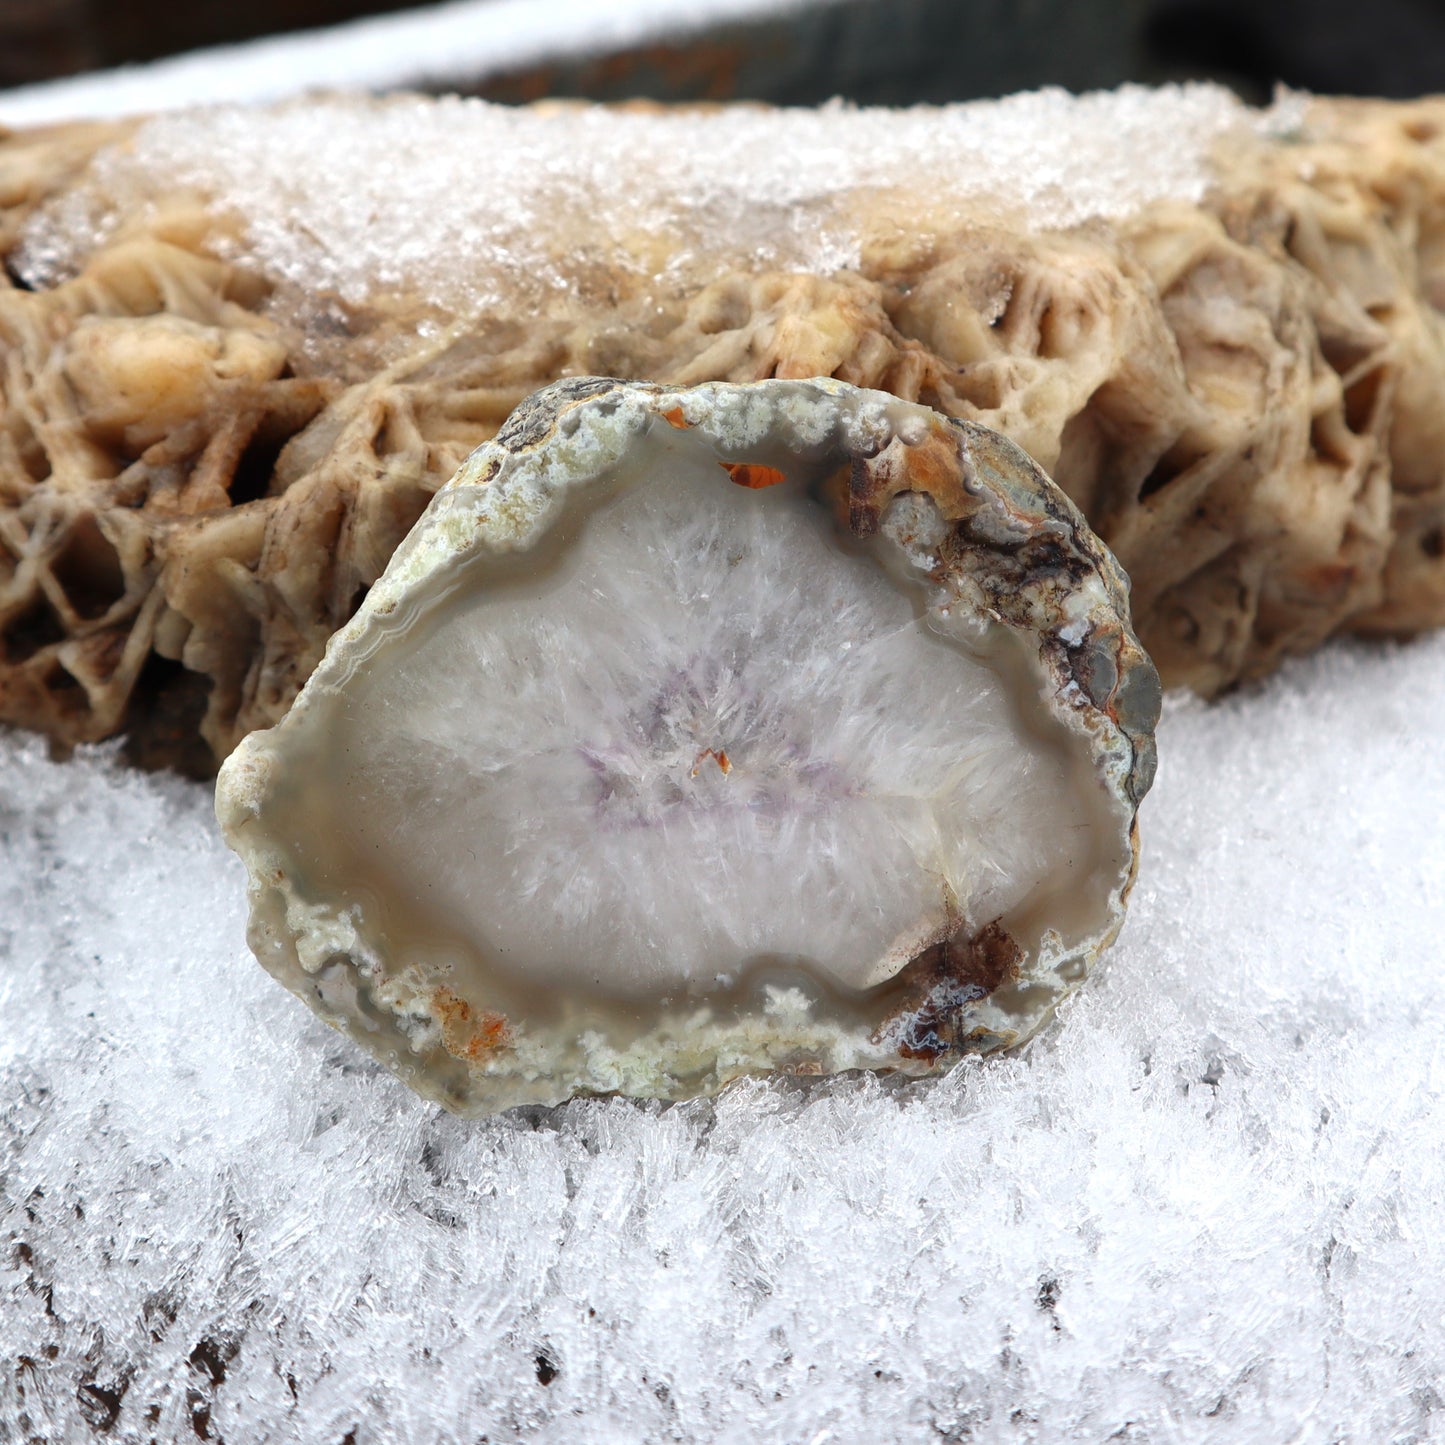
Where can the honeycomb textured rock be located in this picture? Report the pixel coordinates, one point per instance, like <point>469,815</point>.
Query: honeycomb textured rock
<point>208,453</point>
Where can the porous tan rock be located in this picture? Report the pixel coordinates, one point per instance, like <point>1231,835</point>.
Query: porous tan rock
<point>212,439</point>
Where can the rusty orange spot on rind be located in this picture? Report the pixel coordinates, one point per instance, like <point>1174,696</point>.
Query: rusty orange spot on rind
<point>676,418</point>
<point>465,1035</point>
<point>753,475</point>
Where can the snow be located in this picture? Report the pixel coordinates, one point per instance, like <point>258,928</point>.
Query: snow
<point>1209,1205</point>
<point>436,45</point>
<point>473,205</point>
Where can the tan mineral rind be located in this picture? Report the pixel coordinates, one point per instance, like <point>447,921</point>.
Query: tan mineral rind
<point>1002,564</point>
<point>204,465</point>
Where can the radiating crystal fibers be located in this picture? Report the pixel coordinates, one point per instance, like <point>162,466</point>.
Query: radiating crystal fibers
<point>700,732</point>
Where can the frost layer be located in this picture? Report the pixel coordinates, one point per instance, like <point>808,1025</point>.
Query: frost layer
<point>330,192</point>
<point>700,732</point>
<point>1206,1208</point>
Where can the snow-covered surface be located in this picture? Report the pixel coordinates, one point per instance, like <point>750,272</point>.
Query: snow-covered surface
<point>1209,1205</point>
<point>473,204</point>
<point>438,45</point>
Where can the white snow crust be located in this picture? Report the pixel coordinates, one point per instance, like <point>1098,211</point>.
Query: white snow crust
<point>463,41</point>
<point>471,205</point>
<point>1208,1206</point>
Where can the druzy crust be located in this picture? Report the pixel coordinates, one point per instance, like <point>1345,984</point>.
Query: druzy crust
<point>695,733</point>
<point>693,742</point>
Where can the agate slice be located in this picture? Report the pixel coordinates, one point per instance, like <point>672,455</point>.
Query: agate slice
<point>697,733</point>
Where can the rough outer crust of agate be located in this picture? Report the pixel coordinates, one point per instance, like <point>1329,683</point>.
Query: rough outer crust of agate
<point>697,733</point>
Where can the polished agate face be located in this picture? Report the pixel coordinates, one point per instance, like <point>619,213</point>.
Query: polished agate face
<point>685,738</point>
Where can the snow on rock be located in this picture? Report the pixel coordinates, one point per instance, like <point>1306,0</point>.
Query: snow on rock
<point>468,203</point>
<point>1209,1205</point>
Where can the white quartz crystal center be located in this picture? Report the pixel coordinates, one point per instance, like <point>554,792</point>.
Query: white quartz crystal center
<point>708,738</point>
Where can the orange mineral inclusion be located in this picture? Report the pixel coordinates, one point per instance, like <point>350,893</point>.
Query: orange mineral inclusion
<point>752,475</point>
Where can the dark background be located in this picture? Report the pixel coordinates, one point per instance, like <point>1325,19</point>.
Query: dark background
<point>871,51</point>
